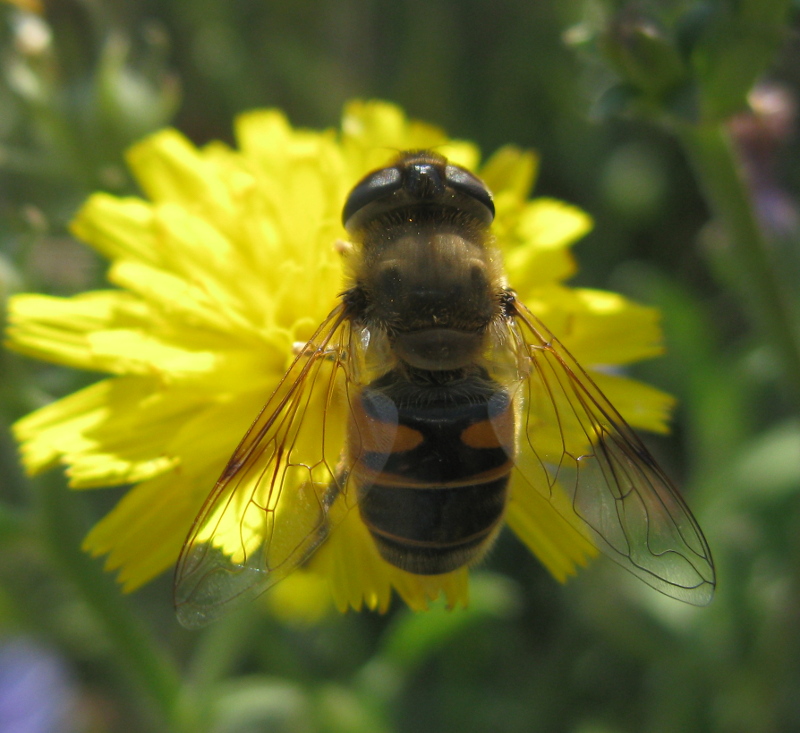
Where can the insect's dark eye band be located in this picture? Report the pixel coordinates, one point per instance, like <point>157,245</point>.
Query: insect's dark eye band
<point>375,186</point>
<point>410,183</point>
<point>463,181</point>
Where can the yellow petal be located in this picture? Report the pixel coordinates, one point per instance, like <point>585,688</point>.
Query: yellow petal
<point>642,406</point>
<point>598,328</point>
<point>170,169</point>
<point>57,329</point>
<point>374,132</point>
<point>359,577</point>
<point>165,506</point>
<point>118,228</point>
<point>615,330</point>
<point>374,124</point>
<point>535,246</point>
<point>143,534</point>
<point>115,332</point>
<point>547,527</point>
<point>553,224</point>
<point>302,598</point>
<point>541,525</point>
<point>510,172</point>
<point>532,267</point>
<point>177,298</point>
<point>263,135</point>
<point>97,432</point>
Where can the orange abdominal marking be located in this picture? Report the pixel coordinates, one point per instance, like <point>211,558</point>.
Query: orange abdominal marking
<point>406,439</point>
<point>481,435</point>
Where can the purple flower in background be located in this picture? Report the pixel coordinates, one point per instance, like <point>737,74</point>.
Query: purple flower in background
<point>36,690</point>
<point>762,134</point>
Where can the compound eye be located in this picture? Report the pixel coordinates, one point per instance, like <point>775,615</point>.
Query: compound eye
<point>370,189</point>
<point>464,182</point>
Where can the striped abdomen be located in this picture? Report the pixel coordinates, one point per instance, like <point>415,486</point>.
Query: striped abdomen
<point>433,470</point>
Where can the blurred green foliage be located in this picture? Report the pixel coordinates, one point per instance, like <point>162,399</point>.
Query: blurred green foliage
<point>600,655</point>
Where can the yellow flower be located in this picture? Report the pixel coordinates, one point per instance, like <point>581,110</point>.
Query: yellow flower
<point>229,261</point>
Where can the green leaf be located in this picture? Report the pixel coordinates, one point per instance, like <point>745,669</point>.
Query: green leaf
<point>769,467</point>
<point>260,703</point>
<point>735,45</point>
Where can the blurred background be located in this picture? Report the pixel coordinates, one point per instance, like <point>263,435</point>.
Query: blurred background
<point>82,79</point>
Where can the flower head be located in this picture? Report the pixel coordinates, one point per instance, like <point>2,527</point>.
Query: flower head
<point>230,260</point>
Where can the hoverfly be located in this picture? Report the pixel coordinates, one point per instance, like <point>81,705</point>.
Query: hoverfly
<point>451,387</point>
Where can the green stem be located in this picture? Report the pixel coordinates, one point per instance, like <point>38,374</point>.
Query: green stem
<point>217,651</point>
<point>720,173</point>
<point>141,657</point>
<point>13,524</point>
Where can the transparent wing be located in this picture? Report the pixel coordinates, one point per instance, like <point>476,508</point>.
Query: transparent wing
<point>286,485</point>
<point>573,441</point>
